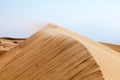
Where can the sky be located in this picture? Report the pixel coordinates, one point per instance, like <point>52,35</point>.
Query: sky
<point>96,19</point>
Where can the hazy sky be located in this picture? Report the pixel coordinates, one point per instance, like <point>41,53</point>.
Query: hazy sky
<point>96,19</point>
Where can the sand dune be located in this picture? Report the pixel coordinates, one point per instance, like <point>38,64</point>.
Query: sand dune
<point>55,53</point>
<point>7,44</point>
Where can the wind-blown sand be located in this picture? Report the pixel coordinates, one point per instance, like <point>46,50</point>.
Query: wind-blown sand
<point>54,53</point>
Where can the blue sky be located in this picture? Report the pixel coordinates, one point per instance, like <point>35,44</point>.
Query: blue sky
<point>96,19</point>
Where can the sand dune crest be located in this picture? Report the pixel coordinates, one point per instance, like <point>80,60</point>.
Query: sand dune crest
<point>54,53</point>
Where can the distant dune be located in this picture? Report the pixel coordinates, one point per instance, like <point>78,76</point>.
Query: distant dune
<point>113,46</point>
<point>54,53</point>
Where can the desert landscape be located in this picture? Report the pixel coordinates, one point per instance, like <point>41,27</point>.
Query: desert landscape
<point>55,53</point>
